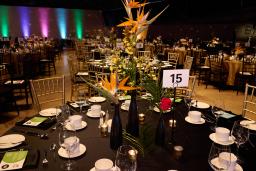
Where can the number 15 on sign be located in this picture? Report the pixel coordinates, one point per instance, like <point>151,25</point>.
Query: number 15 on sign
<point>175,78</point>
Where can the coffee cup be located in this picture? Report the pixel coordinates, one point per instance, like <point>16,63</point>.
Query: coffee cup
<point>227,161</point>
<point>103,165</point>
<point>75,121</point>
<point>222,134</point>
<point>194,116</point>
<point>95,109</point>
<point>72,145</point>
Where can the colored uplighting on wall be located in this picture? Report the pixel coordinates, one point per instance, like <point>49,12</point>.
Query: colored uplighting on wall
<point>61,19</point>
<point>4,25</point>
<point>78,15</point>
<point>24,21</point>
<point>43,18</point>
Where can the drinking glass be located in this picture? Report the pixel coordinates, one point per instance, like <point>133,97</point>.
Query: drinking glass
<point>216,112</point>
<point>63,116</point>
<point>126,158</point>
<point>63,135</point>
<point>240,134</point>
<point>213,158</point>
<point>188,101</point>
<point>80,99</point>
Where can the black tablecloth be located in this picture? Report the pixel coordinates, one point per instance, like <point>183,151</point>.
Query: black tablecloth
<point>194,139</point>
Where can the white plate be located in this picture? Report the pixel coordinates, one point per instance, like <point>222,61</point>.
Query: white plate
<point>93,169</point>
<point>200,105</point>
<point>157,110</point>
<point>216,163</point>
<point>92,115</point>
<point>187,118</point>
<point>124,107</point>
<point>249,124</point>
<point>146,96</point>
<point>97,99</point>
<point>50,112</point>
<point>68,126</point>
<point>127,97</point>
<point>11,140</point>
<point>63,153</point>
<point>229,142</point>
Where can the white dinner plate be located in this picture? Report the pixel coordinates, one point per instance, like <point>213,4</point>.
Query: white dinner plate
<point>216,163</point>
<point>97,99</point>
<point>200,105</point>
<point>157,110</point>
<point>127,97</point>
<point>11,140</point>
<point>93,169</point>
<point>229,142</point>
<point>63,153</point>
<point>202,121</point>
<point>146,96</point>
<point>69,127</point>
<point>93,115</point>
<point>50,112</point>
<point>249,124</point>
<point>124,107</point>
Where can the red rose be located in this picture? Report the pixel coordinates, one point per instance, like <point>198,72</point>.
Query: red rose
<point>165,104</point>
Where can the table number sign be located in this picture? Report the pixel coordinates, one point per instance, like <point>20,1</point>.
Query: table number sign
<point>175,78</point>
<point>13,160</point>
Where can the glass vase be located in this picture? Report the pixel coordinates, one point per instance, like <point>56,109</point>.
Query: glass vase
<point>132,126</point>
<point>160,132</point>
<point>116,138</point>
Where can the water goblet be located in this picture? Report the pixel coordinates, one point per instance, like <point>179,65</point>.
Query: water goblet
<point>80,99</point>
<point>240,134</point>
<point>126,158</point>
<point>216,113</point>
<point>220,157</point>
<point>64,134</point>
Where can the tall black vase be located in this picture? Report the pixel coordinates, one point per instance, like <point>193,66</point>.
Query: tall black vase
<point>116,138</point>
<point>132,126</point>
<point>160,132</point>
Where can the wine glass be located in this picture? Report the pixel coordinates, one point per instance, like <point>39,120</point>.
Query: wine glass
<point>216,113</point>
<point>126,158</point>
<point>188,102</point>
<point>65,113</point>
<point>220,157</point>
<point>240,134</point>
<point>67,139</point>
<point>80,99</point>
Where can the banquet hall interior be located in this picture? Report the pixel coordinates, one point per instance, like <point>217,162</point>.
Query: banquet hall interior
<point>87,41</point>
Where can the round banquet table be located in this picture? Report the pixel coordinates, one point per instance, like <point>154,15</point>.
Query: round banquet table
<point>194,139</point>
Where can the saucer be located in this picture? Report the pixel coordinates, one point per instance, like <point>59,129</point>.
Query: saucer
<point>213,138</point>
<point>92,115</point>
<point>249,124</point>
<point>93,169</point>
<point>215,162</point>
<point>97,99</point>
<point>200,105</point>
<point>68,126</point>
<point>63,153</point>
<point>187,118</point>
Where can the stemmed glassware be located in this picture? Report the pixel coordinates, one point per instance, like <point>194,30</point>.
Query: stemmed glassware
<point>126,158</point>
<point>240,134</point>
<point>216,113</point>
<point>216,151</point>
<point>80,99</point>
<point>67,139</point>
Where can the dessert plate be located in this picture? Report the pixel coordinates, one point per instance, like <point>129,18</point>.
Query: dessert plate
<point>63,153</point>
<point>249,124</point>
<point>11,140</point>
<point>93,115</point>
<point>229,142</point>
<point>200,105</point>
<point>69,127</point>
<point>50,112</point>
<point>215,162</point>
<point>97,99</point>
<point>202,121</point>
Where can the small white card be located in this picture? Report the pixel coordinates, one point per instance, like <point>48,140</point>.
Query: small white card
<point>13,160</point>
<point>175,78</point>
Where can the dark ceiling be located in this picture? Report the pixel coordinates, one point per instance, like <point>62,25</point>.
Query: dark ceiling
<point>221,10</point>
